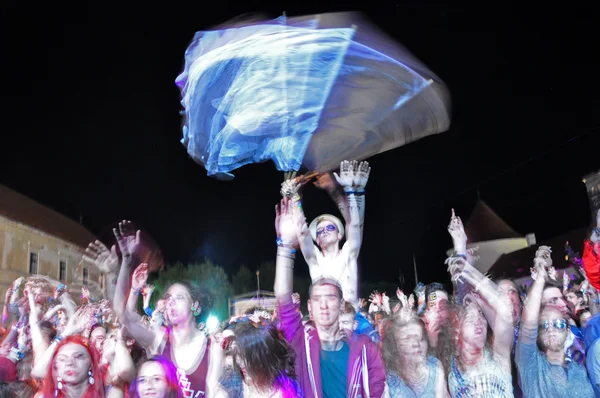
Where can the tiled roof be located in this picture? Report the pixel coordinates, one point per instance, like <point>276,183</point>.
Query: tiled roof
<point>22,209</point>
<point>485,225</point>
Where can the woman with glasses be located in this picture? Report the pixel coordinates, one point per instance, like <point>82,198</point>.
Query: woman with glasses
<point>156,378</point>
<point>540,355</point>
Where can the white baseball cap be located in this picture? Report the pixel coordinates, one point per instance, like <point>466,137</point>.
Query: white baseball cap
<point>325,217</point>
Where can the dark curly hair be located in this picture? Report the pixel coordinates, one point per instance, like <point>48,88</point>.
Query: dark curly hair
<point>268,359</point>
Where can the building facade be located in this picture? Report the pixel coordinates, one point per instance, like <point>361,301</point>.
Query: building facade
<point>592,184</point>
<point>35,239</point>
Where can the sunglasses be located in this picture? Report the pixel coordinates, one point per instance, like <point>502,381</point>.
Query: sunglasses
<point>558,324</point>
<point>329,228</point>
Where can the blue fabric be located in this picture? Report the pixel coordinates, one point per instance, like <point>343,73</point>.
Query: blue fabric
<point>334,371</point>
<point>148,311</point>
<point>267,90</point>
<point>593,366</point>
<point>591,331</point>
<point>365,327</point>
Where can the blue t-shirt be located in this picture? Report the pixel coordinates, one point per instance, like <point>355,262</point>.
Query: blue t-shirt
<point>334,371</point>
<point>593,366</point>
<point>540,378</point>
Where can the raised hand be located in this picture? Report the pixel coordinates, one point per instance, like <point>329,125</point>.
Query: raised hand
<point>361,175</point>
<point>543,256</point>
<point>346,176</point>
<point>411,301</point>
<point>362,303</point>
<point>458,234</point>
<point>140,276</point>
<point>376,298</point>
<point>147,290</point>
<point>286,222</point>
<point>105,260</point>
<point>385,302</point>
<point>326,182</point>
<point>296,298</point>
<point>402,297</point>
<point>85,293</point>
<point>534,274</point>
<point>291,188</point>
<point>552,273</point>
<point>456,265</point>
<point>127,238</point>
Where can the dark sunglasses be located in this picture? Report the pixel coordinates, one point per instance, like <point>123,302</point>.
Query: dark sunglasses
<point>558,324</point>
<point>329,227</point>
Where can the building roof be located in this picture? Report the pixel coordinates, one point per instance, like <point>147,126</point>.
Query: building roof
<point>517,264</point>
<point>485,225</point>
<point>22,209</point>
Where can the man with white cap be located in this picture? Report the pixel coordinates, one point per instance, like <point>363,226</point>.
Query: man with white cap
<point>320,242</point>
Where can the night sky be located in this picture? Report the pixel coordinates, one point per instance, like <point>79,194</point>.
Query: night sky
<point>91,127</point>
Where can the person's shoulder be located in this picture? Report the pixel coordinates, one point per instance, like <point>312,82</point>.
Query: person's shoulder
<point>362,340</point>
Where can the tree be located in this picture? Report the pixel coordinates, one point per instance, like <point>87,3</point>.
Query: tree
<point>209,279</point>
<point>267,275</point>
<point>244,280</point>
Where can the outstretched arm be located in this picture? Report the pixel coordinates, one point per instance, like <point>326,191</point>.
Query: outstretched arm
<point>107,262</point>
<point>531,310</point>
<point>290,189</point>
<point>328,183</point>
<point>495,307</point>
<point>128,240</point>
<point>284,264</point>
<point>347,179</point>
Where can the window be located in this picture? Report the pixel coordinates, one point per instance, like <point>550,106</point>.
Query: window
<point>85,276</point>
<point>62,271</point>
<point>33,263</point>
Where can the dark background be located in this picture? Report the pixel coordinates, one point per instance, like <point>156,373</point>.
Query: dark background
<point>91,127</point>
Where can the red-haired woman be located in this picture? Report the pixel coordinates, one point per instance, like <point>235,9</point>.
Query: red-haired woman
<point>74,371</point>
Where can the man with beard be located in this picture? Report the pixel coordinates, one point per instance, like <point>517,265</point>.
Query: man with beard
<point>552,297</point>
<point>545,371</point>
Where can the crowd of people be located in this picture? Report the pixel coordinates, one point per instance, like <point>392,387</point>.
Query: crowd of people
<point>485,339</point>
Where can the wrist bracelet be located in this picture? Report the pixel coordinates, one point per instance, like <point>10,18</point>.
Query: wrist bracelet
<point>281,243</point>
<point>16,354</point>
<point>136,291</point>
<point>286,249</point>
<point>58,338</point>
<point>596,231</point>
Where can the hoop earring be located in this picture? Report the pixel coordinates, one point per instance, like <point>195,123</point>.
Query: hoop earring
<point>59,386</point>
